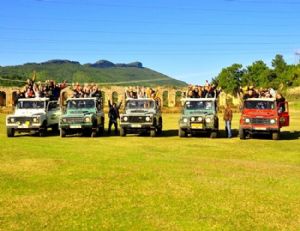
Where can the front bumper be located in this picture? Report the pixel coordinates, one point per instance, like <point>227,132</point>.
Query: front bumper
<point>24,129</point>
<point>79,126</point>
<point>259,128</point>
<point>137,126</point>
<point>197,127</point>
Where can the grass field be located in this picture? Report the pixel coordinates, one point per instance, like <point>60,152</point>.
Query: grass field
<point>143,183</point>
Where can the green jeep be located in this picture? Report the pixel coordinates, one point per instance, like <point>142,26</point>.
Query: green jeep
<point>141,115</point>
<point>82,115</point>
<point>199,115</point>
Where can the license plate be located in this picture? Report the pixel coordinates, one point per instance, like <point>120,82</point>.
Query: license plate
<point>75,126</point>
<point>196,126</point>
<point>136,125</point>
<point>260,129</point>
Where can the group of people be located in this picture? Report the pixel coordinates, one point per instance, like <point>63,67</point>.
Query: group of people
<point>251,92</point>
<point>85,91</point>
<point>33,89</point>
<point>206,91</point>
<point>140,92</point>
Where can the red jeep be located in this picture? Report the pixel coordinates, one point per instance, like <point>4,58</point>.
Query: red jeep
<point>263,115</point>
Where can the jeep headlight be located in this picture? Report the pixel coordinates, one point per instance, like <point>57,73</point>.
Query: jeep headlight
<point>148,118</point>
<point>272,121</point>
<point>247,120</point>
<point>193,119</point>
<point>35,120</point>
<point>87,119</point>
<point>125,118</point>
<point>200,119</point>
<point>12,120</point>
<point>185,120</point>
<point>208,120</point>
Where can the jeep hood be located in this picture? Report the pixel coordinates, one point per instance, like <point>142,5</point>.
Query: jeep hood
<point>139,112</point>
<point>78,113</point>
<point>197,113</point>
<point>259,113</point>
<point>28,112</point>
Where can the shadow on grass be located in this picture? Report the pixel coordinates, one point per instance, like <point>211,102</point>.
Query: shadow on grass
<point>49,133</point>
<point>221,133</point>
<point>285,135</point>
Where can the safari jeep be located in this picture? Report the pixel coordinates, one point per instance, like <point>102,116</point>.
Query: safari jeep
<point>33,114</point>
<point>263,115</point>
<point>199,115</point>
<point>141,115</point>
<point>82,115</point>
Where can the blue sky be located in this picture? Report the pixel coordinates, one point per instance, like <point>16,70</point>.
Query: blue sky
<point>188,40</point>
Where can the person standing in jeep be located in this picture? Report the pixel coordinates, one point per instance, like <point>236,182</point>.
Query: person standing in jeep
<point>113,115</point>
<point>227,118</point>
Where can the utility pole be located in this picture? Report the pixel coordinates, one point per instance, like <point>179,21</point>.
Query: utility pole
<point>297,55</point>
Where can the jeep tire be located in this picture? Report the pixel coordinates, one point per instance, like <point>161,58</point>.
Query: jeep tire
<point>122,132</point>
<point>181,133</point>
<point>213,134</point>
<point>242,134</point>
<point>62,132</point>
<point>10,132</point>
<point>94,133</point>
<point>153,132</point>
<point>159,128</point>
<point>275,135</point>
<point>43,129</point>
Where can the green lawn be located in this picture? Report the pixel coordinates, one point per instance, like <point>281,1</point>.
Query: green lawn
<point>143,183</point>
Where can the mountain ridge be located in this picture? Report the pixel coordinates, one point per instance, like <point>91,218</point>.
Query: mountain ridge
<point>102,71</point>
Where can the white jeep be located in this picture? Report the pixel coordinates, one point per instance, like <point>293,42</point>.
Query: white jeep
<point>33,114</point>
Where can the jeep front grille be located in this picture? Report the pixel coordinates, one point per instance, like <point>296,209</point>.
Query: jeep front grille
<point>137,119</point>
<point>260,121</point>
<point>22,119</point>
<point>74,120</point>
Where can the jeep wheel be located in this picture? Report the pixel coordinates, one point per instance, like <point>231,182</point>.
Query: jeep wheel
<point>153,132</point>
<point>94,133</point>
<point>42,132</point>
<point>122,132</point>
<point>62,132</point>
<point>181,133</point>
<point>275,135</point>
<point>101,131</point>
<point>159,128</point>
<point>242,134</point>
<point>10,132</point>
<point>55,128</point>
<point>43,129</point>
<point>213,135</point>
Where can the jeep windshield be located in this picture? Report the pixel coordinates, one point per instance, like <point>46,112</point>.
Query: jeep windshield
<point>81,104</point>
<point>199,105</point>
<point>31,104</point>
<point>140,104</point>
<point>259,105</point>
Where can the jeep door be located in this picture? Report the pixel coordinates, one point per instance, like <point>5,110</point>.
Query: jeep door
<point>99,113</point>
<point>53,112</point>
<point>283,112</point>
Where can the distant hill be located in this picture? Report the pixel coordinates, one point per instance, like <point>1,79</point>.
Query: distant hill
<point>102,71</point>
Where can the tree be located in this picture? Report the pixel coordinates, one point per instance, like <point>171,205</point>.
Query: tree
<point>258,74</point>
<point>229,78</point>
<point>282,72</point>
<point>279,64</point>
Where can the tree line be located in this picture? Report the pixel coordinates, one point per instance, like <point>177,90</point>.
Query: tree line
<point>280,76</point>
